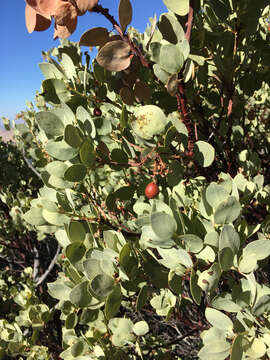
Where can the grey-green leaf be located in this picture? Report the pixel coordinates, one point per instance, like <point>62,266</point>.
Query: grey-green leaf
<point>75,173</point>
<point>163,225</point>
<point>80,295</point>
<point>50,123</point>
<point>171,59</point>
<point>60,150</point>
<point>227,211</point>
<point>204,153</point>
<point>141,328</point>
<point>102,285</point>
<point>180,7</point>
<point>113,302</point>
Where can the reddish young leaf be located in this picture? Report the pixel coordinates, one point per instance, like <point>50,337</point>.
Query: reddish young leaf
<point>97,36</point>
<point>124,13</point>
<point>114,56</point>
<point>35,21</point>
<point>45,7</point>
<point>86,5</point>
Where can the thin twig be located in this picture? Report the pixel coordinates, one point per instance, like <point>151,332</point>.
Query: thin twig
<point>43,277</point>
<point>175,340</point>
<point>36,264</point>
<point>28,163</point>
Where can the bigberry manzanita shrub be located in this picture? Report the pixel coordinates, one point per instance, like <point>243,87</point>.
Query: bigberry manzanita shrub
<point>183,106</point>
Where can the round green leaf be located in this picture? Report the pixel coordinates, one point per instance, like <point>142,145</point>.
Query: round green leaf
<point>218,319</point>
<point>175,282</point>
<point>248,263</point>
<point>161,74</point>
<point>171,58</point>
<point>170,28</point>
<point>208,279</point>
<point>55,218</point>
<point>224,302</point>
<point>192,243</point>
<point>55,91</point>
<point>256,349</point>
<point>71,321</point>
<point>77,349</point>
<point>92,268</point>
<point>85,117</point>
<point>72,136</point>
<point>80,295</point>
<point>68,66</point>
<point>75,251</point>
<point>237,348</point>
<point>119,156</point>
<point>75,173</point>
<point>34,216</point>
<point>87,154</point>
<point>217,350</point>
<point>163,225</point>
<point>142,297</point>
<point>50,123</point>
<point>113,302</point>
<point>59,290</point>
<point>61,150</point>
<point>141,328</point>
<point>227,211</point>
<point>204,153</point>
<point>261,248</point>
<point>102,285</point>
<point>124,193</point>
<point>76,231</point>
<point>57,168</point>
<point>215,194</point>
<point>178,7</point>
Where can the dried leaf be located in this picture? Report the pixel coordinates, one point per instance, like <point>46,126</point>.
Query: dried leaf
<point>115,37</point>
<point>44,7</point>
<point>97,36</point>
<point>129,79</point>
<point>142,91</point>
<point>86,5</point>
<point>114,56</point>
<point>124,13</point>
<point>65,31</point>
<point>65,13</point>
<point>35,21</point>
<point>172,84</point>
<point>127,96</point>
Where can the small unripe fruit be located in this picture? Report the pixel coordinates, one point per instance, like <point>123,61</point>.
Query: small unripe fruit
<point>97,112</point>
<point>151,190</point>
<point>149,120</point>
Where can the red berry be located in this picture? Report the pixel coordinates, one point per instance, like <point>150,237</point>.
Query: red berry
<point>151,190</point>
<point>63,257</point>
<point>97,112</point>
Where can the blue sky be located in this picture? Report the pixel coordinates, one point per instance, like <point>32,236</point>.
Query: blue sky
<point>21,52</point>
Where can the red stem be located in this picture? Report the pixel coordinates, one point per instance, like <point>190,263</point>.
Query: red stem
<point>182,108</point>
<point>181,99</point>
<point>189,23</point>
